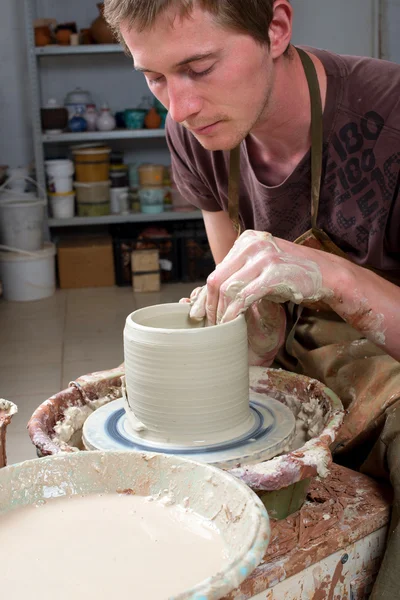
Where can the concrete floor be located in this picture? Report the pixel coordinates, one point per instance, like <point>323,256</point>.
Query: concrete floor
<point>46,344</point>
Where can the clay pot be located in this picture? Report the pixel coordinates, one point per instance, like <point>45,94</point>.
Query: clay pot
<point>63,37</point>
<point>54,119</point>
<point>152,120</point>
<point>42,35</point>
<point>209,400</point>
<point>86,36</point>
<point>101,32</point>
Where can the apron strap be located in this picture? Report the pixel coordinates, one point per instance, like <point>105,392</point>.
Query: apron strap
<point>317,133</point>
<point>233,188</point>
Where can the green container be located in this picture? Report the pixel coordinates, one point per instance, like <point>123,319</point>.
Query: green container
<point>286,501</point>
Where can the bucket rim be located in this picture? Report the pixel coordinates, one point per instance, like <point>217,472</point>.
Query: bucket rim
<point>88,151</point>
<point>49,249</point>
<point>19,202</point>
<point>90,184</point>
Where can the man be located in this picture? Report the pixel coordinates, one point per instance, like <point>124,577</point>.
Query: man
<point>316,138</point>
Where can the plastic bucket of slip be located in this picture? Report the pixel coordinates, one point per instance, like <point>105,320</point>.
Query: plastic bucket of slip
<point>27,277</point>
<point>21,219</point>
<point>62,205</point>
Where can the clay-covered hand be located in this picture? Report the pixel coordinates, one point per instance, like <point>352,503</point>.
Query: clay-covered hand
<point>257,267</point>
<point>266,326</point>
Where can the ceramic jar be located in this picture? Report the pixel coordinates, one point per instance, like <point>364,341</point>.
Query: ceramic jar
<point>77,124</point>
<point>54,117</point>
<point>91,115</point>
<point>105,121</point>
<point>152,120</point>
<point>101,32</point>
<point>77,101</point>
<point>42,35</point>
<point>186,383</point>
<point>134,118</point>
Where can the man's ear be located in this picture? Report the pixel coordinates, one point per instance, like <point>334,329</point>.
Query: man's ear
<point>280,30</point>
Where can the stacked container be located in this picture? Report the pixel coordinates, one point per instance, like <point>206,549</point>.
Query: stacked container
<point>27,267</point>
<point>92,180</point>
<point>152,191</point>
<point>59,183</point>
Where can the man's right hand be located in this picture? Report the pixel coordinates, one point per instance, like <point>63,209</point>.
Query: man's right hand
<point>266,326</point>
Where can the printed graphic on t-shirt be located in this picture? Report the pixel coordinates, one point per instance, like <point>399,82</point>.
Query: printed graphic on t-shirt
<point>360,182</point>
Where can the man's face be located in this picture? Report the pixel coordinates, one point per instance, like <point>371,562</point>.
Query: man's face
<point>214,81</point>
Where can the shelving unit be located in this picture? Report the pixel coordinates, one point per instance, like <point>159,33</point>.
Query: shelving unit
<point>116,134</point>
<point>43,141</point>
<point>131,218</point>
<point>55,50</point>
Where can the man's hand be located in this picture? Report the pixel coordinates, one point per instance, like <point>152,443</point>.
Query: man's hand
<point>262,267</point>
<point>266,325</point>
<point>256,268</point>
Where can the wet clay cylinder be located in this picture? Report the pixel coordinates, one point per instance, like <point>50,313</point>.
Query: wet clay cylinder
<point>186,384</point>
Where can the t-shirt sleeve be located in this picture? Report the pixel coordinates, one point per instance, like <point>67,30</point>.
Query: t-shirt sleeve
<point>187,169</point>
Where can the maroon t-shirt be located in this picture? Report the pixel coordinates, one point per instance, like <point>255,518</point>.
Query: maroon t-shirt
<point>360,199</point>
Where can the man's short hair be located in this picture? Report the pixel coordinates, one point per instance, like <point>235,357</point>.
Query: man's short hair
<point>246,16</point>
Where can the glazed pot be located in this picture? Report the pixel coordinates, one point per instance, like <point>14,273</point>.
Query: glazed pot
<point>134,118</point>
<point>152,120</point>
<point>105,120</point>
<point>100,30</point>
<point>54,120</point>
<point>77,102</point>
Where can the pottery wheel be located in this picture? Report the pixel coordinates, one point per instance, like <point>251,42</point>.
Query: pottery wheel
<point>273,430</point>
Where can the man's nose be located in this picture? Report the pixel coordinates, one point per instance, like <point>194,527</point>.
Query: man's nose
<point>183,101</point>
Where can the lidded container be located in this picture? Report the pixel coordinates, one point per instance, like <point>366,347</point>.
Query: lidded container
<point>93,199</point>
<point>92,163</point>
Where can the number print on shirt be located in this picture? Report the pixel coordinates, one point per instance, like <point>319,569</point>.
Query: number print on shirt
<point>361,191</point>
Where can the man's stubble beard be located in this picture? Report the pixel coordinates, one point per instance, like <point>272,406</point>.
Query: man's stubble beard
<point>242,135</point>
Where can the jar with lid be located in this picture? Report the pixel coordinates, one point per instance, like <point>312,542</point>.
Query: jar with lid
<point>119,175</point>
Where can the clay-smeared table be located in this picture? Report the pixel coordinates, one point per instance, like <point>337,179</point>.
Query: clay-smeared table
<point>330,549</point>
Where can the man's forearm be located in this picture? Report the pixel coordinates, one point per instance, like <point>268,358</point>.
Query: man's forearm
<point>370,304</point>
<point>366,301</point>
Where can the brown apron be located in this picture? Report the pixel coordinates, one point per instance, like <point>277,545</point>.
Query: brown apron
<point>322,345</point>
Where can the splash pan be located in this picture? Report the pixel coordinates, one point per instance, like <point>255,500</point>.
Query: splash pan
<point>235,511</point>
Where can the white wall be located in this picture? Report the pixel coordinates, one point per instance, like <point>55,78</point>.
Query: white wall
<point>344,26</point>
<point>15,134</point>
<point>390,19</point>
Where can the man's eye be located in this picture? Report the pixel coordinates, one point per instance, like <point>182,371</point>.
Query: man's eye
<point>195,74</point>
<point>156,79</point>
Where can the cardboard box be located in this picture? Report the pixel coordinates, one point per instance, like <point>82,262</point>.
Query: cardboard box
<point>86,262</point>
<point>145,271</point>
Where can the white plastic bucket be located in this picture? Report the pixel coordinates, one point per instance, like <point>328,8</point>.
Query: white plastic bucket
<point>62,205</point>
<point>27,278</point>
<point>60,185</point>
<point>21,219</point>
<point>59,167</point>
<point>59,175</point>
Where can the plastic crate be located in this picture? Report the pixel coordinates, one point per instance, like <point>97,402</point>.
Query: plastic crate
<point>168,251</point>
<point>196,258</point>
